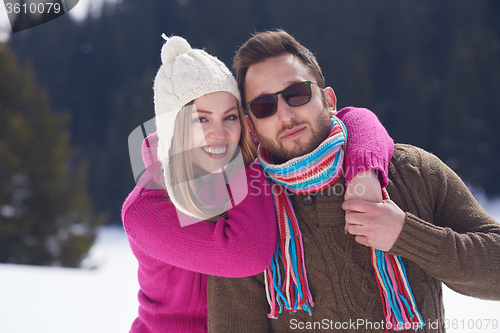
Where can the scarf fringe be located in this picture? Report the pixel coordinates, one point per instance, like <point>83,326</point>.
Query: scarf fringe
<point>400,310</point>
<point>311,173</point>
<point>291,294</point>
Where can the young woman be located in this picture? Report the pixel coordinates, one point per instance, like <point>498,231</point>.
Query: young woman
<point>204,206</point>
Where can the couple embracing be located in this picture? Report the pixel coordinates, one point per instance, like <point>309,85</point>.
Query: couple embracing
<point>262,205</point>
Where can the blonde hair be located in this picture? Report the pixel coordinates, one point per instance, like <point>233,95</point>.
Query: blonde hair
<point>182,173</point>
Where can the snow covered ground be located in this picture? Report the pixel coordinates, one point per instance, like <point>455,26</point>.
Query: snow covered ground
<point>67,300</point>
<point>104,299</point>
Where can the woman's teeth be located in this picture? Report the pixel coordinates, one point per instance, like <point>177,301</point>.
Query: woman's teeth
<point>215,151</point>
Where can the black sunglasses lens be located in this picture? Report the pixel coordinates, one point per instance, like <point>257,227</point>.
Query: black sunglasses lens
<point>297,94</point>
<point>264,106</point>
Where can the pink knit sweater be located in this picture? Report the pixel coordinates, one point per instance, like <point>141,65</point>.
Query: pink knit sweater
<point>174,260</point>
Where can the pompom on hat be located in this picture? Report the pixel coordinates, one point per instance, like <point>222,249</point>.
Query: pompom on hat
<point>185,75</point>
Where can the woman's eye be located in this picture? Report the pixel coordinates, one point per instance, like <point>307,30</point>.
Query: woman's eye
<point>199,120</point>
<point>232,117</point>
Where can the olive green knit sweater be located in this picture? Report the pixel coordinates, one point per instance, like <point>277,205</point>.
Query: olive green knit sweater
<point>447,237</point>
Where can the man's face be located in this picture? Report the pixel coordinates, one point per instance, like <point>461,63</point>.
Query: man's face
<point>291,131</point>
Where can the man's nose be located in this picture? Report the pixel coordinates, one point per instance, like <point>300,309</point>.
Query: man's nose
<point>285,112</point>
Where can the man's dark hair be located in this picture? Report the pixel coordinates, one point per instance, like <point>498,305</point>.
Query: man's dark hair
<point>270,44</point>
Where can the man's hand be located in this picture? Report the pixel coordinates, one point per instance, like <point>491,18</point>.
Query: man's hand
<point>377,225</point>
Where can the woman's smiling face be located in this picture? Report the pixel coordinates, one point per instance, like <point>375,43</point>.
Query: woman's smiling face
<point>215,131</point>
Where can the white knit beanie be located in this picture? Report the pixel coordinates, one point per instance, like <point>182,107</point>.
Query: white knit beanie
<point>185,75</point>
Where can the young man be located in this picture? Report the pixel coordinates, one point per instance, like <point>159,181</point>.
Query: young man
<point>431,220</point>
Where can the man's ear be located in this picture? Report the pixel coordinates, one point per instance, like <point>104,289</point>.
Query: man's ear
<point>250,128</point>
<point>331,100</point>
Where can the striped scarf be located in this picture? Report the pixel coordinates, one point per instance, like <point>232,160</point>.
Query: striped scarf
<point>400,310</point>
<point>310,173</point>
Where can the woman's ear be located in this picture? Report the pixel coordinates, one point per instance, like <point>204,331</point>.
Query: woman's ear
<point>331,100</point>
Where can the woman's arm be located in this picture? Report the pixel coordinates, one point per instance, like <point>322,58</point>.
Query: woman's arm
<point>241,245</point>
<point>369,151</point>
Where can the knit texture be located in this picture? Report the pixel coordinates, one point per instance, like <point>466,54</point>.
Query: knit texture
<point>400,311</point>
<point>185,75</point>
<point>173,260</point>
<point>312,172</point>
<point>368,146</point>
<point>447,237</point>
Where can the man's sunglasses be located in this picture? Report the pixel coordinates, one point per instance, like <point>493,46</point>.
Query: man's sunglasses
<point>265,106</point>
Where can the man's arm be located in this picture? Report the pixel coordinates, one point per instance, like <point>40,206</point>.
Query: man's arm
<point>444,230</point>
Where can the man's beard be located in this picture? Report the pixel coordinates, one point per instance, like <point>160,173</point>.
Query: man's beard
<point>321,130</point>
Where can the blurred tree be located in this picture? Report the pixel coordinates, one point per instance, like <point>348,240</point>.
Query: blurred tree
<point>403,59</point>
<point>103,70</point>
<point>470,142</point>
<point>206,21</point>
<point>45,212</point>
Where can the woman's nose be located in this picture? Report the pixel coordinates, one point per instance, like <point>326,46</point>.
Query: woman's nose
<point>217,132</point>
